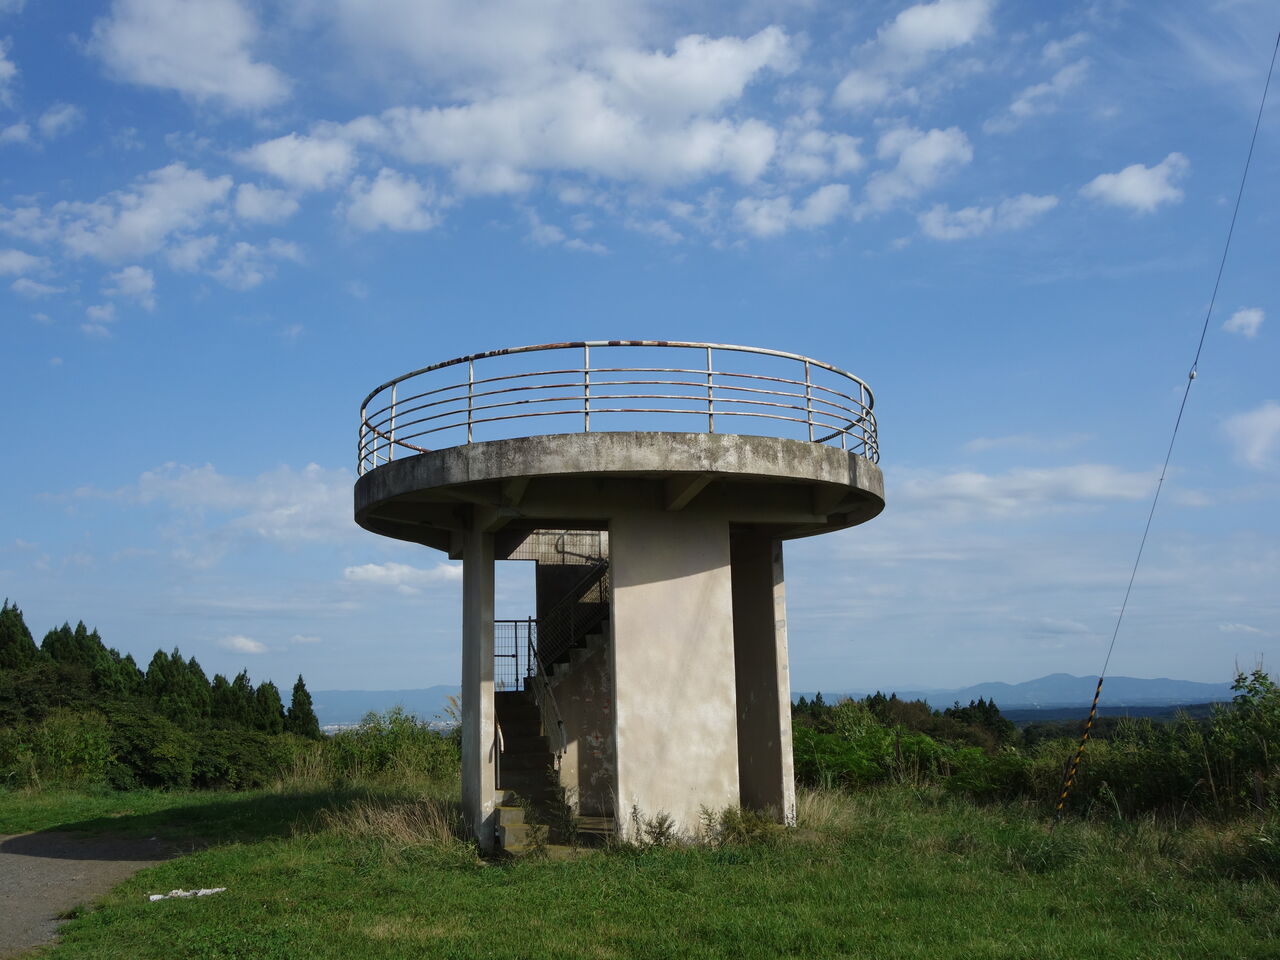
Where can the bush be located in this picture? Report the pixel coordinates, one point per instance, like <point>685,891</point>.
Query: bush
<point>394,745</point>
<point>63,749</point>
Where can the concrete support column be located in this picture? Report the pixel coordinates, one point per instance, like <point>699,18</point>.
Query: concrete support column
<point>765,767</point>
<point>479,752</point>
<point>672,624</point>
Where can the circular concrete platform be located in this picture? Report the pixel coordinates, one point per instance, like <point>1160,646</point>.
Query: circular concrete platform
<point>781,487</point>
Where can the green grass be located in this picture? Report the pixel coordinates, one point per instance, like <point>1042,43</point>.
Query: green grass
<point>891,873</point>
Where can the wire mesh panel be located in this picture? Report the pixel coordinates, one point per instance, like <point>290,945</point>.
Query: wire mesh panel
<point>513,642</point>
<point>615,385</point>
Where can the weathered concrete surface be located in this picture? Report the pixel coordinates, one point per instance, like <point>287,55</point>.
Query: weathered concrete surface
<point>584,697</point>
<point>46,874</point>
<point>676,716</point>
<point>766,773</point>
<point>799,488</point>
<point>479,752</point>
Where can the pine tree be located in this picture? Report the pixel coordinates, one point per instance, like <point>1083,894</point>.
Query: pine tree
<point>17,647</point>
<point>268,708</point>
<point>301,717</point>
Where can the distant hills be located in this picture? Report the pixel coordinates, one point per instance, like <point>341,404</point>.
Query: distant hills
<point>334,707</point>
<point>1064,690</point>
<point>338,707</point>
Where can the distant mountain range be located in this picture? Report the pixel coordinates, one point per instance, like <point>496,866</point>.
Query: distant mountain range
<point>1064,690</point>
<point>335,707</point>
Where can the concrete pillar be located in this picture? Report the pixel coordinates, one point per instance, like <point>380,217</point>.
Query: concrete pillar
<point>672,624</point>
<point>765,768</point>
<point>479,753</point>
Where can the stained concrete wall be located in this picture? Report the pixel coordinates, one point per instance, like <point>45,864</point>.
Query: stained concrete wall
<point>584,698</point>
<point>479,754</point>
<point>766,773</point>
<point>672,624</point>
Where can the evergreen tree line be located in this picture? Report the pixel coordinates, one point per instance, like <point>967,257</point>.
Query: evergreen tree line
<point>72,667</point>
<point>168,725</point>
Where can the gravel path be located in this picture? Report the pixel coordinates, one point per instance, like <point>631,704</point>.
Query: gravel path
<point>47,873</point>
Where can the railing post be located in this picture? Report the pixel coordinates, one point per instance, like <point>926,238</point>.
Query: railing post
<point>808,400</point>
<point>711,407</point>
<point>586,397</point>
<point>391,446</point>
<point>471,379</point>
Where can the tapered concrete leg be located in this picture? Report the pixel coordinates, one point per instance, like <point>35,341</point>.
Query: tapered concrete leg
<point>675,717</point>
<point>765,766</point>
<point>479,751</point>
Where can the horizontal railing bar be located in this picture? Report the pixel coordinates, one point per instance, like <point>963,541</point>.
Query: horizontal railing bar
<point>579,344</point>
<point>583,390</point>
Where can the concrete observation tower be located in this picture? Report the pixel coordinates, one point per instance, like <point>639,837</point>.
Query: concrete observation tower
<point>652,484</point>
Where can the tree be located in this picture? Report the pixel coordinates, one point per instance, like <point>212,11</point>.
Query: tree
<point>268,709</point>
<point>17,647</point>
<point>301,717</point>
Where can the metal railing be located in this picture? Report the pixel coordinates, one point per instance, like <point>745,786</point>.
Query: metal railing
<point>750,389</point>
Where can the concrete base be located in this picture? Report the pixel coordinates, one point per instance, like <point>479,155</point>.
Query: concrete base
<point>676,716</point>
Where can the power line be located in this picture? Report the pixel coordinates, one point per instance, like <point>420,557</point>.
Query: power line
<point>1070,778</point>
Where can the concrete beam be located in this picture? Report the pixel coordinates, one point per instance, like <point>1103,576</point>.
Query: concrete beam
<point>513,490</point>
<point>679,490</point>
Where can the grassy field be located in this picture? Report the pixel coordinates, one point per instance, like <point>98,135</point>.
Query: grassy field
<point>890,873</point>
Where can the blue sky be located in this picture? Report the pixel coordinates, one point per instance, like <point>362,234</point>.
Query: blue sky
<point>223,222</point>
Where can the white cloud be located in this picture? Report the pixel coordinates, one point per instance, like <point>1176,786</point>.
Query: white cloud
<point>26,287</point>
<point>247,266</point>
<point>1021,489</point>
<point>134,282</point>
<point>1238,628</point>
<point>809,153</point>
<point>199,48</point>
<point>771,217</point>
<point>18,262</point>
<point>100,317</point>
<point>497,45</point>
<point>263,204</point>
<point>1255,435</point>
<point>391,201</point>
<point>127,223</point>
<point>934,27</point>
<point>1138,187</point>
<point>1040,98</point>
<point>549,235</point>
<point>240,644</point>
<point>1245,322</point>
<point>699,77</point>
<point>59,119</point>
<point>283,505</point>
<point>628,115</point>
<point>8,73</point>
<point>1058,50</point>
<point>189,254</point>
<point>305,163</point>
<point>404,578</point>
<point>905,45</point>
<point>15,133</point>
<point>1014,213</point>
<point>299,638</point>
<point>922,160</point>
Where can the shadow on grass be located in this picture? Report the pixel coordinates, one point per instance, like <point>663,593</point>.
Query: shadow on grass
<point>222,818</point>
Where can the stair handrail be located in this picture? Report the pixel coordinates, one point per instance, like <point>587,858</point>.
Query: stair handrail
<point>543,695</point>
<point>574,595</point>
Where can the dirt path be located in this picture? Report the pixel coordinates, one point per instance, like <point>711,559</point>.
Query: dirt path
<point>45,874</point>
